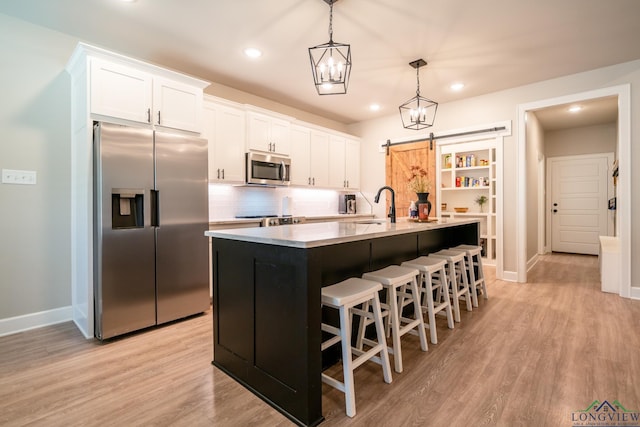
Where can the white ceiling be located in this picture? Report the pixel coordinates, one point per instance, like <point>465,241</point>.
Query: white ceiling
<point>490,45</point>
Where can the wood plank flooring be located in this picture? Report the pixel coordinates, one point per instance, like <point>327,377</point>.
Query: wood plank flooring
<point>529,356</point>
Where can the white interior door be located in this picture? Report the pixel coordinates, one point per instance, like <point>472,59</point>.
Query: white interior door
<point>579,194</point>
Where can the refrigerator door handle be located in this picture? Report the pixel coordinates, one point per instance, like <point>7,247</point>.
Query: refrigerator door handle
<point>155,208</point>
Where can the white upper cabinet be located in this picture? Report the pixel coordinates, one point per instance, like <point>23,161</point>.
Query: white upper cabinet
<point>177,105</point>
<point>344,165</point>
<point>300,155</point>
<point>127,89</point>
<point>270,134</point>
<point>120,91</point>
<point>309,157</point>
<point>224,127</point>
<point>352,164</point>
<point>337,162</point>
<point>319,158</point>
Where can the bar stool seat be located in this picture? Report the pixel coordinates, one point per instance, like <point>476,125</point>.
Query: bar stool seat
<point>345,296</point>
<point>430,268</point>
<point>394,278</point>
<point>456,269</point>
<point>474,264</point>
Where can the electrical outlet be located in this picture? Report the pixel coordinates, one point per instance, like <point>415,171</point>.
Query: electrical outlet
<point>10,176</point>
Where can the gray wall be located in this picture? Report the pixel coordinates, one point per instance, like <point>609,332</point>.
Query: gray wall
<point>34,135</point>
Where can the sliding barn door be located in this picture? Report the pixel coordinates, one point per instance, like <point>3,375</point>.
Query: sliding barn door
<point>398,172</point>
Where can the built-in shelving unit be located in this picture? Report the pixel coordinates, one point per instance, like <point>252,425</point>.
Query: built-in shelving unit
<point>466,171</point>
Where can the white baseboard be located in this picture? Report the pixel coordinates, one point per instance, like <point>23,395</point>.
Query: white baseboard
<point>635,292</point>
<point>510,276</point>
<point>25,322</point>
<point>533,261</point>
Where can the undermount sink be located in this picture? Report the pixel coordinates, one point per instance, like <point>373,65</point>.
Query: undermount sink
<point>371,221</point>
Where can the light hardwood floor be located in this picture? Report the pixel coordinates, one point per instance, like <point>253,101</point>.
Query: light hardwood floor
<point>529,356</point>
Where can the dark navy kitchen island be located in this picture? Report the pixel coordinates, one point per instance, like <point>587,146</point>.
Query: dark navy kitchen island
<point>266,296</point>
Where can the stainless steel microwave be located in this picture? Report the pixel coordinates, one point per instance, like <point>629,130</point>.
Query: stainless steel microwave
<point>268,169</point>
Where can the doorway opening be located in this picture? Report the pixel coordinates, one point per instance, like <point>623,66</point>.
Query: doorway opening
<point>526,228</point>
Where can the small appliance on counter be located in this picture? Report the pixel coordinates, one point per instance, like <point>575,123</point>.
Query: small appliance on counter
<point>282,220</point>
<point>347,204</point>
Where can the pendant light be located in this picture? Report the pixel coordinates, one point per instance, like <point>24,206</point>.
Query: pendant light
<point>331,63</point>
<point>418,112</point>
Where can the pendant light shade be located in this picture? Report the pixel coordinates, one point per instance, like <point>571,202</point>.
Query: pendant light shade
<point>418,112</point>
<point>331,63</point>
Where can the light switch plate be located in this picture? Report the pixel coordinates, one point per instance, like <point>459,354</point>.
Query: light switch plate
<point>10,176</point>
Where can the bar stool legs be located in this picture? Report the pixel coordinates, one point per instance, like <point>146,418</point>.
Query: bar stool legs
<point>431,270</point>
<point>345,296</point>
<point>456,269</point>
<point>474,257</point>
<point>393,278</point>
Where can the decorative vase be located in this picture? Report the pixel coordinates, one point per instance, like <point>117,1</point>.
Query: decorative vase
<point>424,206</point>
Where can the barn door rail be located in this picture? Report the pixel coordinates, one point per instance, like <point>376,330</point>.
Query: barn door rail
<point>432,137</point>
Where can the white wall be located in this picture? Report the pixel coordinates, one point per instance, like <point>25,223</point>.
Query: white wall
<point>581,140</point>
<point>502,106</point>
<point>535,149</point>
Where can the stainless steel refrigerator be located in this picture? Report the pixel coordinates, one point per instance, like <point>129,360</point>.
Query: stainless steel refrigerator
<point>150,215</point>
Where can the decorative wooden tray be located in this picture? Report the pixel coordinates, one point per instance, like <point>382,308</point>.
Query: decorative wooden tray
<point>422,220</point>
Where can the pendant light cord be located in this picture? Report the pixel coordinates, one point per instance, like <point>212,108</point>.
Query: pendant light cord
<point>331,22</point>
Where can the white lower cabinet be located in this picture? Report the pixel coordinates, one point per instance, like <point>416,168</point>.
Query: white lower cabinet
<point>224,127</point>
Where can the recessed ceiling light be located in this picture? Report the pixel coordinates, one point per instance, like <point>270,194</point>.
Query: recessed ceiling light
<point>374,107</point>
<point>457,86</point>
<point>575,108</point>
<point>252,52</point>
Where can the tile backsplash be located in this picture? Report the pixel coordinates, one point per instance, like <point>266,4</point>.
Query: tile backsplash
<point>228,201</point>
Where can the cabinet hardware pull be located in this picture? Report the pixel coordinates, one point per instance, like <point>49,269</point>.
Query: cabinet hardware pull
<point>314,181</point>
<point>218,173</point>
<point>222,173</point>
<point>148,115</point>
<point>309,181</point>
<point>158,116</point>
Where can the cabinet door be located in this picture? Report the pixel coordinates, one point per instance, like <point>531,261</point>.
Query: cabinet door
<point>319,159</point>
<point>337,162</point>
<point>209,132</point>
<point>300,156</point>
<point>230,143</point>
<point>224,127</point>
<point>258,127</point>
<point>121,92</point>
<point>352,164</point>
<point>280,136</point>
<point>176,105</point>
<point>268,134</point>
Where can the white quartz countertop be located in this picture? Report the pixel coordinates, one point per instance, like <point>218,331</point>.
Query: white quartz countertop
<point>331,233</point>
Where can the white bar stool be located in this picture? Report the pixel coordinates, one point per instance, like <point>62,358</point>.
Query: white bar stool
<point>392,278</point>
<point>474,259</point>
<point>456,269</point>
<point>428,267</point>
<point>344,296</point>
